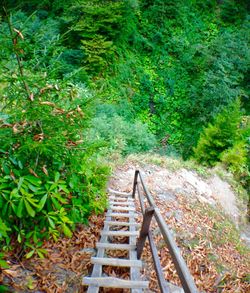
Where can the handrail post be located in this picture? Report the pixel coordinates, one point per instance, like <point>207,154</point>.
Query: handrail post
<point>135,183</point>
<point>147,217</point>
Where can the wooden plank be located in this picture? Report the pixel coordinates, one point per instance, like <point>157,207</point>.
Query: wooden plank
<point>117,262</point>
<point>141,199</point>
<point>97,269</point>
<point>118,223</point>
<point>120,233</point>
<point>159,273</point>
<point>147,217</point>
<point>120,193</point>
<point>115,208</point>
<point>135,273</point>
<point>135,183</point>
<point>120,198</point>
<point>110,282</point>
<point>114,246</point>
<point>120,215</point>
<point>122,203</point>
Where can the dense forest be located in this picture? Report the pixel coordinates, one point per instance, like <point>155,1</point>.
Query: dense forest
<point>82,81</point>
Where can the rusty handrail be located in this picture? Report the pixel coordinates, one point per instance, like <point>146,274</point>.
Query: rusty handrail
<point>180,265</point>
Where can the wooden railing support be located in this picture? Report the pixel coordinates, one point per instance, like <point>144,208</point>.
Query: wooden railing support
<point>147,217</point>
<point>135,183</point>
<point>159,273</point>
<point>180,265</point>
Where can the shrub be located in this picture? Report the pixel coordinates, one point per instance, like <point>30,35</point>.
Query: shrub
<point>120,135</point>
<point>50,178</point>
<point>219,136</point>
<point>235,158</point>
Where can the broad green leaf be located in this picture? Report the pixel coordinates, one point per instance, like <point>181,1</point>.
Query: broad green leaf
<point>66,230</point>
<point>19,238</point>
<point>57,176</point>
<point>40,254</point>
<point>29,209</point>
<point>33,188</point>
<point>33,201</point>
<point>53,186</point>
<point>32,179</point>
<point>20,182</point>
<point>4,185</point>
<point>56,203</point>
<point>6,169</point>
<point>35,239</point>
<point>51,222</point>
<point>64,188</point>
<point>3,264</point>
<point>20,208</point>
<point>29,255</point>
<point>42,202</point>
<point>44,251</point>
<point>59,197</point>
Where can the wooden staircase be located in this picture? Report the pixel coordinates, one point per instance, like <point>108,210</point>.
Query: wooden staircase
<point>121,213</point>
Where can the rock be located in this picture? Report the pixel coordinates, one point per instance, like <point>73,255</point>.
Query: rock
<point>223,193</point>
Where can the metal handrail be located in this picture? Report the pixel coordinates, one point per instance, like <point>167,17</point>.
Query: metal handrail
<point>153,211</point>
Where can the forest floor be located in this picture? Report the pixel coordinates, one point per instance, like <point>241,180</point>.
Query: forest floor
<point>202,212</point>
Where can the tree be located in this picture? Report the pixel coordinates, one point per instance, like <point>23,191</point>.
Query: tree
<point>219,135</point>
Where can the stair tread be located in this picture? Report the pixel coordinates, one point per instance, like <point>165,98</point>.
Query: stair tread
<point>122,203</point>
<point>122,215</point>
<point>117,223</point>
<point>114,246</point>
<point>119,193</point>
<point>120,233</point>
<point>121,198</point>
<point>118,208</point>
<point>111,282</point>
<point>117,262</point>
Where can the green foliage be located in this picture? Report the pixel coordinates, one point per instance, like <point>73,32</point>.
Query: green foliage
<point>219,136</point>
<point>98,51</point>
<point>96,26</point>
<point>50,178</point>
<point>235,158</point>
<point>119,135</point>
<point>160,70</point>
<point>3,265</point>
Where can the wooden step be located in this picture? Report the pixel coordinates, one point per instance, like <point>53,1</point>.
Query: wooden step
<point>120,215</point>
<point>119,233</point>
<point>122,203</point>
<point>119,193</point>
<point>115,246</point>
<point>110,282</point>
<point>116,262</point>
<point>117,223</point>
<point>117,208</point>
<point>120,198</point>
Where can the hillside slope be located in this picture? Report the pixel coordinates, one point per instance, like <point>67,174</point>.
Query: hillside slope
<point>202,214</point>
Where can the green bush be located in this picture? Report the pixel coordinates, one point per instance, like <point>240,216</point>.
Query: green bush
<point>120,135</point>
<point>235,158</point>
<point>219,136</point>
<point>50,177</point>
